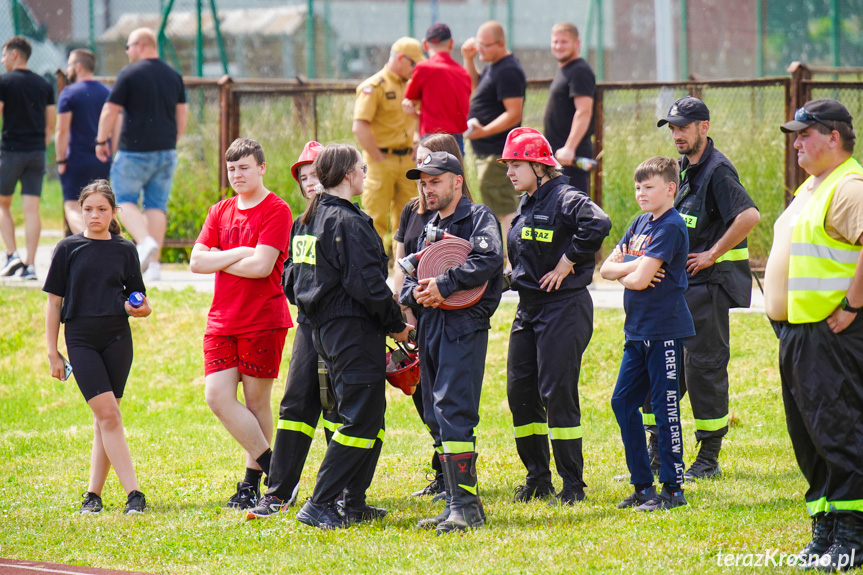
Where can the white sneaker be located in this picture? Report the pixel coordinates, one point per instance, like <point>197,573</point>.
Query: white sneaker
<point>146,250</point>
<point>153,273</point>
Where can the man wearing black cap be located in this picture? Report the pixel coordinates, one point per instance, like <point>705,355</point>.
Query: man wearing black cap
<point>719,214</point>
<point>453,342</point>
<point>440,87</point>
<point>813,293</point>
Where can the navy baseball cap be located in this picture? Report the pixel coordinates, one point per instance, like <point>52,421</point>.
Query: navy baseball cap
<point>685,111</point>
<point>439,32</point>
<point>435,164</point>
<point>817,111</point>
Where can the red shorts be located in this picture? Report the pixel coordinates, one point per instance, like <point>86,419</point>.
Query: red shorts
<point>258,353</point>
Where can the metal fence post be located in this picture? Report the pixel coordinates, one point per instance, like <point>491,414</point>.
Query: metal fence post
<point>598,127</point>
<point>797,96</point>
<point>226,130</point>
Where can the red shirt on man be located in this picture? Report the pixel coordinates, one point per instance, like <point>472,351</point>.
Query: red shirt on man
<point>443,88</point>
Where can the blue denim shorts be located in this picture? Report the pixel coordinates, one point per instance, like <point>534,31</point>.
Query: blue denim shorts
<point>150,173</point>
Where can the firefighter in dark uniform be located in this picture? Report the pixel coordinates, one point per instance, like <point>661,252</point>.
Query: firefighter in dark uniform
<point>719,214</point>
<point>552,243</point>
<point>300,408</point>
<point>453,342</point>
<point>339,281</point>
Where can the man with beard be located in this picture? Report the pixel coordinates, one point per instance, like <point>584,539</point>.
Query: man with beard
<point>79,106</point>
<point>569,110</point>
<point>453,342</point>
<point>719,214</point>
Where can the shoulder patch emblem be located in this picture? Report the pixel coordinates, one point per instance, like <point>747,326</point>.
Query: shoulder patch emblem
<point>367,90</point>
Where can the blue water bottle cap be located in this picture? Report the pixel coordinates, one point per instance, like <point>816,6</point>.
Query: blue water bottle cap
<point>136,299</point>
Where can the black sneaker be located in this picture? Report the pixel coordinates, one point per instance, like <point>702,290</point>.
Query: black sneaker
<point>435,487</point>
<point>28,273</point>
<point>530,491</point>
<point>567,496</point>
<point>246,497</point>
<point>665,500</point>
<point>92,503</point>
<point>363,513</point>
<point>267,506</point>
<point>637,497</point>
<point>13,264</point>
<point>321,515</point>
<point>135,503</point>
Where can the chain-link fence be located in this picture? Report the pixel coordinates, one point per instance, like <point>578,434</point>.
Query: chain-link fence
<point>744,125</point>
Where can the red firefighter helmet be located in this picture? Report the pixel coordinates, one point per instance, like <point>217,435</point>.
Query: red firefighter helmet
<point>405,378</point>
<point>528,145</point>
<point>308,155</point>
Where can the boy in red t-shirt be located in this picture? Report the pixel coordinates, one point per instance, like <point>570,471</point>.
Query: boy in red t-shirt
<point>245,241</point>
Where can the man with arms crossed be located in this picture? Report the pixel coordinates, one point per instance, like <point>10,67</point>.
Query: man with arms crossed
<point>245,242</point>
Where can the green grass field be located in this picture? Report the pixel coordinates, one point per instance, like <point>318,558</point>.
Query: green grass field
<point>188,465</point>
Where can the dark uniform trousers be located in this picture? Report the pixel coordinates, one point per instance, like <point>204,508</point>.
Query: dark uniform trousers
<point>705,361</point>
<point>546,345</point>
<point>451,372</point>
<point>822,388</point>
<point>299,413</point>
<point>650,370</point>
<point>353,349</point>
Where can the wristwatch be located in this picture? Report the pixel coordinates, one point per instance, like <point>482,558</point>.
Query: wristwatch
<point>98,143</point>
<point>847,306</point>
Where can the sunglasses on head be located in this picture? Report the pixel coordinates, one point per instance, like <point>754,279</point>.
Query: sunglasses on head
<point>802,115</point>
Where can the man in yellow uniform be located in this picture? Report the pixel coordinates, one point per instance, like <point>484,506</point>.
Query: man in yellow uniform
<point>386,134</point>
<point>813,294</point>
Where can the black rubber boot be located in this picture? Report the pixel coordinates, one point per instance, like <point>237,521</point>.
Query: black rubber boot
<point>653,452</point>
<point>846,552</point>
<point>823,527</point>
<point>433,522</point>
<point>466,510</point>
<point>535,454</point>
<point>706,464</point>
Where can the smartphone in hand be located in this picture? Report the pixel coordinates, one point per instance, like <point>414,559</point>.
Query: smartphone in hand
<point>67,368</point>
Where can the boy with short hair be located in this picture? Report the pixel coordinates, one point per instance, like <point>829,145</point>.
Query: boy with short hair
<point>650,262</point>
<point>245,241</point>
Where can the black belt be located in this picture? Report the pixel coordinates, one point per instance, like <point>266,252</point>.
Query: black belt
<point>396,151</point>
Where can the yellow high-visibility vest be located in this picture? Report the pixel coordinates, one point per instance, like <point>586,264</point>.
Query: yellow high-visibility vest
<point>821,268</point>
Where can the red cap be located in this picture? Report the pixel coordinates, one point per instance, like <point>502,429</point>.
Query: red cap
<point>310,152</point>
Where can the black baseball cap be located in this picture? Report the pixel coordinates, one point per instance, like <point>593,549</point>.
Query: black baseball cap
<point>817,111</point>
<point>439,32</point>
<point>685,111</point>
<point>435,164</point>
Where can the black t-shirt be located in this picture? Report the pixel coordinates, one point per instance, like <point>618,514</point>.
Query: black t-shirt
<point>499,81</point>
<point>94,277</point>
<point>411,226</point>
<point>25,95</point>
<point>574,79</point>
<point>149,91</point>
